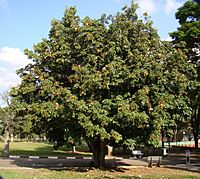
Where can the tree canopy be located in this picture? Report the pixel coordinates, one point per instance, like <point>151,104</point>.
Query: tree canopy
<point>187,37</point>
<point>108,80</point>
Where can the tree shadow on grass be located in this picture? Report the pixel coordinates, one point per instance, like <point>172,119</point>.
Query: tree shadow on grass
<point>109,172</point>
<point>83,165</point>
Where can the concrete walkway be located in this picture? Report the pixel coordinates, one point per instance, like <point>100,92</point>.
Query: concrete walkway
<point>63,163</point>
<point>172,161</point>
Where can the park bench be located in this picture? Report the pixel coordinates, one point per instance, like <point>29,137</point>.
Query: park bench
<point>154,160</point>
<point>137,153</point>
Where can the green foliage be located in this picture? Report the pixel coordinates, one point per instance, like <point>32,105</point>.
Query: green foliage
<point>188,32</point>
<point>107,79</point>
<point>130,144</point>
<point>187,37</point>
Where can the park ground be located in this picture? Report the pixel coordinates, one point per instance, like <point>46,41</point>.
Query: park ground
<point>134,173</point>
<point>20,168</point>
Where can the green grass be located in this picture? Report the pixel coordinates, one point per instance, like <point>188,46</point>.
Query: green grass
<point>97,174</point>
<point>42,149</point>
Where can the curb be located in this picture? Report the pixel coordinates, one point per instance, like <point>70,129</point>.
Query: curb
<point>45,157</point>
<point>63,157</point>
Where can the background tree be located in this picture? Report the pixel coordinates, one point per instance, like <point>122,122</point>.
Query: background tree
<point>108,79</point>
<point>7,117</point>
<point>188,34</point>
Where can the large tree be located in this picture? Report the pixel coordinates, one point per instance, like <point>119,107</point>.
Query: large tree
<point>187,37</point>
<point>107,79</point>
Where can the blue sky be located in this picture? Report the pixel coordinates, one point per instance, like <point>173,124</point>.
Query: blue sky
<point>25,22</point>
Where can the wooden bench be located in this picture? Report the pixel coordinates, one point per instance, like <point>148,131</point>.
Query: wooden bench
<point>137,153</point>
<point>154,160</point>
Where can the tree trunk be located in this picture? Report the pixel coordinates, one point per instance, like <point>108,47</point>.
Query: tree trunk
<point>195,126</point>
<point>162,136</point>
<point>90,146</point>
<point>73,149</point>
<point>99,152</point>
<point>196,140</point>
<point>110,151</point>
<point>124,148</point>
<point>6,143</point>
<point>11,137</point>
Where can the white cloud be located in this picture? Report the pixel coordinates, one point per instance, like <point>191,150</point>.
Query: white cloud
<point>148,6</point>
<point>8,79</point>
<point>167,39</point>
<point>11,59</point>
<point>171,6</point>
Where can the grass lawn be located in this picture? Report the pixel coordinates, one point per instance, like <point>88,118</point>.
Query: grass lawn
<point>42,149</point>
<point>97,174</point>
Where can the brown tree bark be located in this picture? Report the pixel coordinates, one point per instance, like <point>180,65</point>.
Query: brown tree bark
<point>99,152</point>
<point>6,142</point>
<point>162,136</point>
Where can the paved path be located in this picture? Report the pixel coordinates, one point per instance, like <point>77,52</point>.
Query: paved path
<point>172,161</point>
<point>62,163</point>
